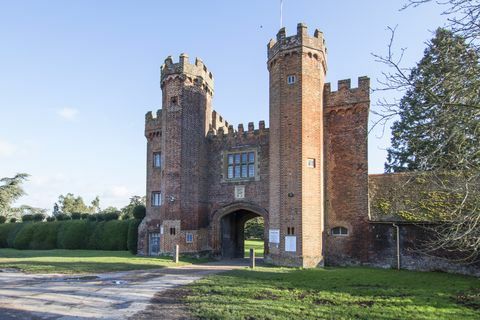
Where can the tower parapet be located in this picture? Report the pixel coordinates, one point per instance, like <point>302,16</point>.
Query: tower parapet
<point>153,123</point>
<point>314,45</point>
<point>347,97</point>
<point>198,73</point>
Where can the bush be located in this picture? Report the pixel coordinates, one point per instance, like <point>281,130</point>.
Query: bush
<point>45,236</point>
<point>27,217</point>
<point>13,234</point>
<point>254,228</point>
<point>132,236</point>
<point>108,216</point>
<point>73,235</point>
<point>13,220</point>
<point>5,231</point>
<point>24,236</point>
<point>3,219</point>
<point>84,216</point>
<point>139,212</point>
<point>62,217</point>
<point>50,219</point>
<point>76,215</point>
<point>114,235</point>
<point>38,217</point>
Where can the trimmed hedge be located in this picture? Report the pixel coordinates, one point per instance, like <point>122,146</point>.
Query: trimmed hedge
<point>70,234</point>
<point>132,237</point>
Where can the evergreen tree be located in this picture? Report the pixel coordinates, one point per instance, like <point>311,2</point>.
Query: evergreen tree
<point>439,125</point>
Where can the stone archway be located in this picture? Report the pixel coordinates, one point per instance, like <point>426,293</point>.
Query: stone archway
<point>227,236</point>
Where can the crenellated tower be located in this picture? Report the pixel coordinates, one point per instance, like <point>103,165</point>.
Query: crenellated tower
<point>297,66</point>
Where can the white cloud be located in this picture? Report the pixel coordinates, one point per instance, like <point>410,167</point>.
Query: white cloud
<point>6,148</point>
<point>68,113</point>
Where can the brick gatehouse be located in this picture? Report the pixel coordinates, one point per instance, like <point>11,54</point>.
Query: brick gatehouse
<point>306,175</point>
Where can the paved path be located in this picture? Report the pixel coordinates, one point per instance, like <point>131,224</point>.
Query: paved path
<point>116,295</point>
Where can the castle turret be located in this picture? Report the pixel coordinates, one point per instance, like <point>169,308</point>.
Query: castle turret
<point>297,66</point>
<point>176,168</point>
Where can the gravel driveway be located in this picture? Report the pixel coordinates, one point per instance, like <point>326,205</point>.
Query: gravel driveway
<point>117,295</point>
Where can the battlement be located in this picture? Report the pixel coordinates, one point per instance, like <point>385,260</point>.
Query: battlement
<point>345,94</point>
<point>301,39</point>
<point>197,72</point>
<point>153,122</point>
<point>230,133</point>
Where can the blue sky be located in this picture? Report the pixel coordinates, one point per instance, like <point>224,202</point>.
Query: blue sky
<point>77,77</point>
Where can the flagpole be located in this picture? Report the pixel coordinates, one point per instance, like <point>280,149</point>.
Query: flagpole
<point>281,14</point>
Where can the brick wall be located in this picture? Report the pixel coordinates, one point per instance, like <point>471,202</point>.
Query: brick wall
<point>346,123</point>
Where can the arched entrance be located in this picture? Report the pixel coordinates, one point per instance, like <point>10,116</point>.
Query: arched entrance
<point>228,228</point>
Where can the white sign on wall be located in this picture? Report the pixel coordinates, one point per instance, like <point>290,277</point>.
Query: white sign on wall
<point>290,243</point>
<point>161,229</point>
<point>274,236</point>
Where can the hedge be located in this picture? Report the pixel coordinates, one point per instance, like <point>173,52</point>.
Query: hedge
<point>132,237</point>
<point>70,234</point>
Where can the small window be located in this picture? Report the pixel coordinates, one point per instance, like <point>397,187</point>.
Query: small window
<point>311,163</point>
<point>172,231</point>
<point>189,237</point>
<point>156,199</point>
<point>174,101</point>
<point>291,79</point>
<point>290,231</point>
<point>157,159</point>
<point>339,231</point>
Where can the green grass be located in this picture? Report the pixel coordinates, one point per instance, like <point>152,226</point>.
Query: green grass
<point>335,293</point>
<point>256,244</point>
<point>81,261</point>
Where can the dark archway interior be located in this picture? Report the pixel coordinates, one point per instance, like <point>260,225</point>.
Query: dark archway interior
<point>232,233</point>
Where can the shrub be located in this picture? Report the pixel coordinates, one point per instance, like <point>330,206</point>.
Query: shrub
<point>114,235</point>
<point>139,212</point>
<point>62,217</point>
<point>76,215</point>
<point>50,219</point>
<point>132,236</point>
<point>13,220</point>
<point>3,219</point>
<point>73,235</point>
<point>96,230</point>
<point>254,228</point>
<point>108,216</point>
<point>24,236</point>
<point>27,217</point>
<point>45,236</point>
<point>38,217</point>
<point>13,234</point>
<point>5,231</point>
<point>84,216</point>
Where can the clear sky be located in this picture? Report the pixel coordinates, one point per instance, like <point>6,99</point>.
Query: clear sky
<point>77,77</point>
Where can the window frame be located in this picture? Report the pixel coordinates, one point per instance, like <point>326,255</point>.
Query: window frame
<point>339,231</point>
<point>291,79</point>
<point>155,154</point>
<point>241,165</point>
<point>187,236</point>
<point>153,199</point>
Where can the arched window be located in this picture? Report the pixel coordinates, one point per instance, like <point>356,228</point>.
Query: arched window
<point>339,231</point>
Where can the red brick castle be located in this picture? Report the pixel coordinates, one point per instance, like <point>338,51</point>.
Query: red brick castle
<point>306,175</point>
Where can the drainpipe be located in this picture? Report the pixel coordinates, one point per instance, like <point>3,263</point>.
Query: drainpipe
<point>398,245</point>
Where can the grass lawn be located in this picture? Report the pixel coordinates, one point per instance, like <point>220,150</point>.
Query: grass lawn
<point>80,261</point>
<point>335,293</point>
<point>255,244</point>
